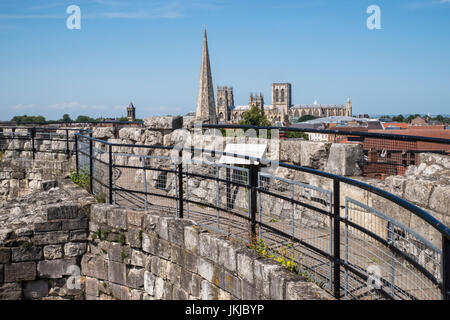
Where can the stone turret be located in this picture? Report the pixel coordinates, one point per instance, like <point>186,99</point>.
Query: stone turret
<point>131,112</point>
<point>206,108</point>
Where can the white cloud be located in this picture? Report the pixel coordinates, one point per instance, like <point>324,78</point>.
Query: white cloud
<point>24,106</point>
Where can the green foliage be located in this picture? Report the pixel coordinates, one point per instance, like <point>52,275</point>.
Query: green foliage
<point>82,178</point>
<point>101,197</point>
<point>296,135</point>
<point>28,119</point>
<point>2,154</point>
<point>26,244</point>
<point>84,119</point>
<point>66,118</point>
<point>282,258</point>
<point>123,255</point>
<point>122,239</point>
<point>254,117</point>
<point>304,118</point>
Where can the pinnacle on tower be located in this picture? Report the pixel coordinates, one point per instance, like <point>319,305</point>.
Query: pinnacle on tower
<point>206,110</point>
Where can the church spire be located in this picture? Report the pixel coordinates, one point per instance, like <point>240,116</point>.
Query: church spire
<point>206,110</point>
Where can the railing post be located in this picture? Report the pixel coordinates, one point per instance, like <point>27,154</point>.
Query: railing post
<point>445,268</point>
<point>110,175</point>
<point>336,239</point>
<point>67,144</point>
<point>180,184</point>
<point>252,200</point>
<point>91,169</point>
<point>76,153</point>
<point>33,134</point>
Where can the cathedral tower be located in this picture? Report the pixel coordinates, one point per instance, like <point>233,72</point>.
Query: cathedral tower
<point>206,108</point>
<point>349,110</point>
<point>282,96</point>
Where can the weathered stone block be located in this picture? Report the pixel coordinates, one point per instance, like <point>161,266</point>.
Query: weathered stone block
<point>120,292</point>
<point>207,270</point>
<point>119,253</point>
<point>11,291</point>
<point>418,191</point>
<point>249,291</point>
<point>98,213</point>
<point>176,231</point>
<point>134,237</point>
<point>137,258</point>
<point>59,212</point>
<point>230,283</point>
<point>72,249</point>
<point>78,235</point>
<point>92,288</point>
<point>117,218</point>
<point>134,218</point>
<point>158,123</point>
<point>75,224</point>
<point>94,266</point>
<point>440,199</point>
<point>150,244</point>
<point>262,270</point>
<point>21,271</point>
<point>345,159</point>
<point>117,272</point>
<point>47,226</point>
<point>53,237</point>
<point>227,254</point>
<point>26,254</point>
<point>190,261</point>
<point>191,238</point>
<point>163,289</point>
<point>135,278</point>
<point>245,263</point>
<point>149,282</point>
<point>5,255</point>
<point>290,151</point>
<point>302,290</point>
<point>209,291</point>
<point>179,293</point>
<point>35,289</point>
<point>314,154</point>
<point>208,246</point>
<point>1,273</point>
<point>55,269</point>
<point>163,227</point>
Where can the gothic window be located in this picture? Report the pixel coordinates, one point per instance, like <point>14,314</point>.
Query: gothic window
<point>296,114</point>
<point>282,95</point>
<point>220,101</point>
<point>276,95</point>
<point>221,116</point>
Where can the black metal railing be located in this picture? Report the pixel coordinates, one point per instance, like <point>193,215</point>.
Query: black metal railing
<point>329,243</point>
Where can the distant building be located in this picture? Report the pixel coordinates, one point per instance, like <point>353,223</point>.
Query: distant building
<point>131,112</point>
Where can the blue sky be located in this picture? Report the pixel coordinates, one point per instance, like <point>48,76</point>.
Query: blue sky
<point>150,52</point>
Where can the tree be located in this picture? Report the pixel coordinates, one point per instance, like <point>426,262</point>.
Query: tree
<point>399,118</point>
<point>296,135</point>
<point>306,117</point>
<point>28,119</point>
<point>254,117</point>
<point>66,118</point>
<point>84,119</point>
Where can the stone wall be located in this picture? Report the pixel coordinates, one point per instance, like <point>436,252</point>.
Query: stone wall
<point>21,176</point>
<point>42,238</point>
<point>149,256</point>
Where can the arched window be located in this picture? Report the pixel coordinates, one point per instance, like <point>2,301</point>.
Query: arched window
<point>276,95</point>
<point>282,95</point>
<point>221,116</point>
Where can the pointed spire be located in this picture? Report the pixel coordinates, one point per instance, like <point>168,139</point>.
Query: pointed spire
<point>206,110</point>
